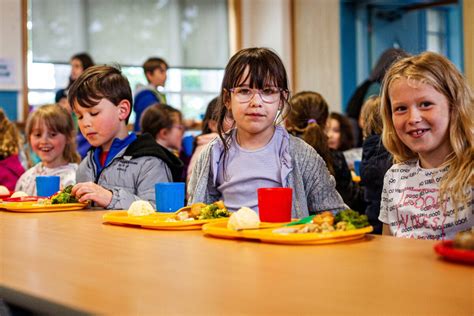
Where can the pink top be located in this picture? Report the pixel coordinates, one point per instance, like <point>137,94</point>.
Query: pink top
<point>11,170</point>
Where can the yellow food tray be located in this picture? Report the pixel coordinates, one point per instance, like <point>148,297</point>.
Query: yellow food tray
<point>267,235</point>
<point>34,207</point>
<point>155,221</point>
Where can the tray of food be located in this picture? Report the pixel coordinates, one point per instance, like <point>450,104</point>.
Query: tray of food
<point>460,249</point>
<point>59,202</point>
<point>323,228</point>
<point>142,214</point>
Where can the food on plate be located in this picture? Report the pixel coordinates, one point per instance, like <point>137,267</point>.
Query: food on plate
<point>201,211</point>
<point>353,219</point>
<point>64,196</point>
<point>18,194</point>
<point>4,190</point>
<point>326,222</point>
<point>140,208</point>
<point>324,217</point>
<point>244,218</point>
<point>464,240</point>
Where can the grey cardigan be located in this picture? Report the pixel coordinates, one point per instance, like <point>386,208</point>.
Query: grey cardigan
<point>303,170</point>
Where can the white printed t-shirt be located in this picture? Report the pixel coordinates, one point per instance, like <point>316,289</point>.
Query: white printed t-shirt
<point>411,207</point>
<point>27,181</point>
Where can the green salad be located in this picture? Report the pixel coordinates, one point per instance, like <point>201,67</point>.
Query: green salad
<point>65,196</point>
<point>353,219</point>
<point>213,211</point>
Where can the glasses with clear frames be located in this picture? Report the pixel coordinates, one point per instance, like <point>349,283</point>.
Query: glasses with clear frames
<point>268,95</point>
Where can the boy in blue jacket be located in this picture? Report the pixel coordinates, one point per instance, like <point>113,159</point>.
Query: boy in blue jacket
<point>155,72</point>
<point>120,167</point>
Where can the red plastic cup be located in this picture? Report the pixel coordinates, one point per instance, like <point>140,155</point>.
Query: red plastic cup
<point>274,204</point>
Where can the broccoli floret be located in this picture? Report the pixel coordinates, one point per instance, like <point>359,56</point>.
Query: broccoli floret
<point>213,211</point>
<point>64,196</point>
<point>352,218</point>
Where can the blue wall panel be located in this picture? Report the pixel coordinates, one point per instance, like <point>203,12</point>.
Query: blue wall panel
<point>8,102</point>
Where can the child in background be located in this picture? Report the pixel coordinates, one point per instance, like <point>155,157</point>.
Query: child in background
<point>339,131</point>
<point>165,124</point>
<point>10,144</point>
<point>309,111</point>
<point>155,72</point>
<point>375,160</point>
<point>50,132</point>
<point>121,168</point>
<point>258,152</point>
<point>427,111</point>
<point>79,63</point>
<point>209,132</point>
<point>340,137</point>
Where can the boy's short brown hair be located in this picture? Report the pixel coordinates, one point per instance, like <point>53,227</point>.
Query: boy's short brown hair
<point>153,63</point>
<point>97,83</point>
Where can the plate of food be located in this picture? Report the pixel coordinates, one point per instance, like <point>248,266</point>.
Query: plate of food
<point>142,214</point>
<point>460,249</point>
<point>4,192</point>
<point>324,228</point>
<point>61,201</point>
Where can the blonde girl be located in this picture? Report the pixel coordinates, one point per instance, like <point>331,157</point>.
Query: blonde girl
<point>258,152</point>
<point>51,135</point>
<point>427,111</point>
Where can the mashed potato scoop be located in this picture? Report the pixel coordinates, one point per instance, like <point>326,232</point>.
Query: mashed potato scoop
<point>244,218</point>
<point>140,208</point>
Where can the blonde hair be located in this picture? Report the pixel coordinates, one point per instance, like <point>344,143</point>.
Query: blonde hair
<point>10,140</point>
<point>370,114</point>
<point>438,72</point>
<point>60,121</point>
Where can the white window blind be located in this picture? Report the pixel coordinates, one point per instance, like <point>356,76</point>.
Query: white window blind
<point>186,33</point>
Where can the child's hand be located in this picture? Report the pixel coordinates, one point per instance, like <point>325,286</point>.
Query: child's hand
<point>94,192</point>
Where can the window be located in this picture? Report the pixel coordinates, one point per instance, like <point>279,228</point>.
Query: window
<point>436,31</point>
<point>127,33</point>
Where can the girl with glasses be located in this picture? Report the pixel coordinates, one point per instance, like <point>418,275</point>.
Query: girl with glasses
<point>257,152</point>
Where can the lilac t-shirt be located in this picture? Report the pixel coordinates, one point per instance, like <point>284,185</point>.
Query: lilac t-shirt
<point>248,170</point>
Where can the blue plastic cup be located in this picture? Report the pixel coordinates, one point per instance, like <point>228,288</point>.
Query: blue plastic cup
<point>47,185</point>
<point>188,144</point>
<point>357,167</point>
<point>169,196</point>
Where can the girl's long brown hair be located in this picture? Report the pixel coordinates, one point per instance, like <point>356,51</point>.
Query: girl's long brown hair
<point>307,119</point>
<point>265,68</point>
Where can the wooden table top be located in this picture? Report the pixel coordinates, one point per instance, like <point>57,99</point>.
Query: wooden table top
<point>71,262</point>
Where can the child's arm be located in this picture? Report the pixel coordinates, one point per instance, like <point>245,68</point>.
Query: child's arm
<point>386,230</point>
<point>152,170</point>
<point>200,188</point>
<point>320,186</point>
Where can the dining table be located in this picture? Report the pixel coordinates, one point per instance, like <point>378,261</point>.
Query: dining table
<point>73,263</point>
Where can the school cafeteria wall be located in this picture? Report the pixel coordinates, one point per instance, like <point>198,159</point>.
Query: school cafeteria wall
<point>468,17</point>
<point>305,33</point>
<point>317,49</point>
<point>267,23</point>
<point>11,58</point>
